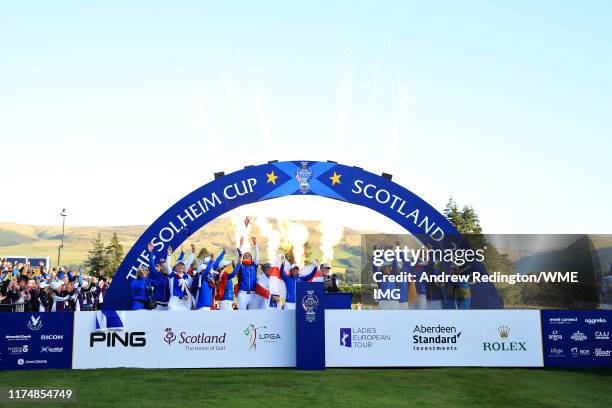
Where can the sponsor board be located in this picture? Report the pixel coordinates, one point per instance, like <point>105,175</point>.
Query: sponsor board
<point>432,338</point>
<point>577,338</point>
<point>259,338</point>
<point>35,340</point>
<point>133,347</point>
<point>189,339</point>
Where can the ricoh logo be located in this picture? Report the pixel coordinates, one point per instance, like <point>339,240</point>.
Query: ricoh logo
<point>118,339</point>
<point>504,333</point>
<point>595,321</point>
<point>578,336</point>
<point>52,337</point>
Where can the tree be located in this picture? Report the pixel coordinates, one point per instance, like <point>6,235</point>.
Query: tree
<point>465,220</point>
<point>114,255</point>
<point>97,259</point>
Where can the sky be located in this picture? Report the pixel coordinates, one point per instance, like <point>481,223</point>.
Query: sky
<point>116,110</point>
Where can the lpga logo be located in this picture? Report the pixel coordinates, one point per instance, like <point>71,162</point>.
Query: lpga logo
<point>252,331</point>
<point>170,336</point>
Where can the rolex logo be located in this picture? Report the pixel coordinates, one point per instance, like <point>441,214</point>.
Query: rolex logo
<point>504,332</point>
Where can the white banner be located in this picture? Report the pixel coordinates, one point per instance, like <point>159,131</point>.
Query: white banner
<point>132,347</point>
<point>188,339</point>
<point>501,338</point>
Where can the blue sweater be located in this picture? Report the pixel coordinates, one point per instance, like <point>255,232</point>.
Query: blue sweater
<point>140,289</point>
<point>291,281</point>
<point>159,281</point>
<point>202,288</point>
<point>228,294</point>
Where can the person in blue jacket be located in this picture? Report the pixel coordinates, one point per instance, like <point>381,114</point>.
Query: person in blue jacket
<point>204,283</point>
<point>141,290</point>
<point>226,285</point>
<point>247,277</point>
<point>291,279</point>
<point>435,291</point>
<point>158,276</point>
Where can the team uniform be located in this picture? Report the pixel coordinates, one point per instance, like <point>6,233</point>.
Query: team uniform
<point>204,283</point>
<point>291,282</point>
<point>161,287</point>
<point>435,292</point>
<point>225,294</point>
<point>247,281</point>
<point>141,288</point>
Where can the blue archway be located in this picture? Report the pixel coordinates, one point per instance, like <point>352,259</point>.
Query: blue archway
<point>279,179</point>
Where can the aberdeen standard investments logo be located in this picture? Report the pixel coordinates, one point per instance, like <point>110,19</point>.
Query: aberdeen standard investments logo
<point>503,344</point>
<point>435,338</point>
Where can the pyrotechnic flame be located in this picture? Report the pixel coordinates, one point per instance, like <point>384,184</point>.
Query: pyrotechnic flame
<point>296,235</point>
<point>331,234</point>
<point>271,234</point>
<point>242,231</point>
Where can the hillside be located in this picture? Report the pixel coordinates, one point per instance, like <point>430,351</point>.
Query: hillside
<point>43,240</point>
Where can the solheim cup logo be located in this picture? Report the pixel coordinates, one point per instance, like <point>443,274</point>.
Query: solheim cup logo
<point>170,336</point>
<point>310,303</point>
<point>303,176</point>
<point>35,323</point>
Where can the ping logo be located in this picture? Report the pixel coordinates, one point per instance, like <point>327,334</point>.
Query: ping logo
<point>118,339</point>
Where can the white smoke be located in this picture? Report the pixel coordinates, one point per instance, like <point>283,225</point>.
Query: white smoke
<point>271,234</point>
<point>331,234</point>
<point>296,235</point>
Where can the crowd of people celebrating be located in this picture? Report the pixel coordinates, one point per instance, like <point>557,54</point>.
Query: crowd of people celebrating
<point>214,283</point>
<point>30,288</point>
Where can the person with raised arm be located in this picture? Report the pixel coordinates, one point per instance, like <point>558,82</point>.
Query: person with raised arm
<point>225,285</point>
<point>204,282</point>
<point>292,277</point>
<point>179,285</point>
<point>247,277</point>
<point>159,276</point>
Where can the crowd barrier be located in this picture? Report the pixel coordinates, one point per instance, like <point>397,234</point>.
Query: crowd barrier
<point>495,338</point>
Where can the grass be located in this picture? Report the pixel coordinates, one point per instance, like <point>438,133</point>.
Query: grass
<point>444,387</point>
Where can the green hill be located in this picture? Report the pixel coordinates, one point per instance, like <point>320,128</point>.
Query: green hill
<point>43,240</point>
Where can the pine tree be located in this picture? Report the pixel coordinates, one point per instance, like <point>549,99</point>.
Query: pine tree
<point>114,255</point>
<point>97,260</point>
